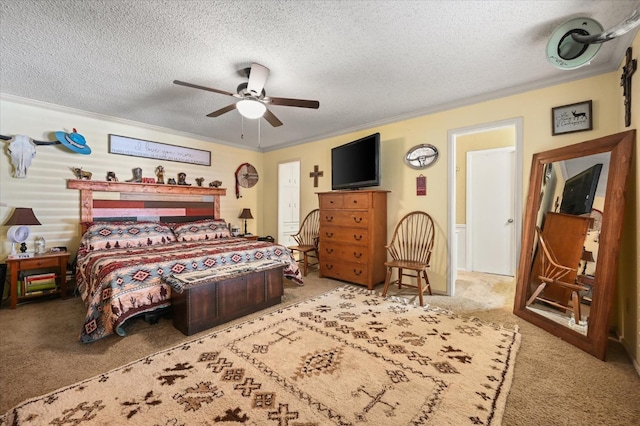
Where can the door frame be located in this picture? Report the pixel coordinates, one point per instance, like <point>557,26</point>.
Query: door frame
<point>452,135</point>
<point>469,202</point>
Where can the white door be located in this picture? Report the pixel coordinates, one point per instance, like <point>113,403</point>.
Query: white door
<point>288,202</point>
<point>490,211</point>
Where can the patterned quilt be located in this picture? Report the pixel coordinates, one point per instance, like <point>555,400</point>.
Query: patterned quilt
<point>117,284</point>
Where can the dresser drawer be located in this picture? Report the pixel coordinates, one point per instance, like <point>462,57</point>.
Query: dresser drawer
<point>356,200</point>
<point>346,271</point>
<point>344,252</point>
<point>355,236</point>
<point>331,201</point>
<point>345,200</point>
<point>35,263</point>
<point>357,219</point>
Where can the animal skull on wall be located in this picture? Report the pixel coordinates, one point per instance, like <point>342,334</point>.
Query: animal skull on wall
<point>21,150</point>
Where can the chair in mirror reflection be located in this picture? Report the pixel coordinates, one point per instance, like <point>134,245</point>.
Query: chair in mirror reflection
<point>553,274</point>
<point>307,239</point>
<point>410,250</point>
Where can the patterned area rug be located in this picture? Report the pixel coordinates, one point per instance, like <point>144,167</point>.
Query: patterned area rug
<point>346,357</point>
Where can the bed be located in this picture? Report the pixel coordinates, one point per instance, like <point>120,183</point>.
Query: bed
<point>130,254</point>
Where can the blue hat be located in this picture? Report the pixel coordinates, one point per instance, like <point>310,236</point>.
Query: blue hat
<point>74,141</point>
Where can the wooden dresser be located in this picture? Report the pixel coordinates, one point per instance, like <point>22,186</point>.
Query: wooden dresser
<point>353,235</point>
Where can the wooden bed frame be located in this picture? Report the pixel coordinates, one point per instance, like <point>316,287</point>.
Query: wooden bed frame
<point>180,203</point>
<point>146,201</point>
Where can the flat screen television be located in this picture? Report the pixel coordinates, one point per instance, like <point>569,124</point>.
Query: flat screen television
<point>356,164</point>
<point>579,191</point>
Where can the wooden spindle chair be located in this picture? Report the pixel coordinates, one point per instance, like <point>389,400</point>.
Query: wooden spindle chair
<point>410,250</point>
<point>307,239</point>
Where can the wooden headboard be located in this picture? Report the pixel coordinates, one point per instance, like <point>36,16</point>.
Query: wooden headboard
<point>146,201</point>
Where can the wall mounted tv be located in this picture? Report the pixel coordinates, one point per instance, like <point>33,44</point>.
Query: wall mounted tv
<point>356,164</point>
<point>579,191</point>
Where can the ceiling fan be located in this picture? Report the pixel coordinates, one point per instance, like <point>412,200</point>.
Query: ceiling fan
<point>253,100</point>
<point>576,42</point>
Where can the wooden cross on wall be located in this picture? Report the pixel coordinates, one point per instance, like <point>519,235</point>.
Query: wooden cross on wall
<point>315,174</point>
<point>625,81</point>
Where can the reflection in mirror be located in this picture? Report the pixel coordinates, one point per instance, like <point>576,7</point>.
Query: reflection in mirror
<point>566,245</point>
<point>570,240</point>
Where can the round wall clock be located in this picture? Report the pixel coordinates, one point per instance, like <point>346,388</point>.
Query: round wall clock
<point>246,177</point>
<point>421,156</point>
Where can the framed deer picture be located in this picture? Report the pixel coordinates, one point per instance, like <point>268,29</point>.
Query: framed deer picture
<point>571,118</point>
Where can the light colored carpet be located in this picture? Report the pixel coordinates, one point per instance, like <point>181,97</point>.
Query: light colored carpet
<point>346,357</point>
<point>554,383</point>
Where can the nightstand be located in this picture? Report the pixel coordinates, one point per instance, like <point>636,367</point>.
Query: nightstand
<point>250,237</point>
<point>39,261</point>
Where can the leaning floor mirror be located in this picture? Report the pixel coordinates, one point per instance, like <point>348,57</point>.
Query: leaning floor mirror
<point>571,239</point>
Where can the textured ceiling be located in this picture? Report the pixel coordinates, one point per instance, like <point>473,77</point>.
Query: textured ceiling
<point>366,62</point>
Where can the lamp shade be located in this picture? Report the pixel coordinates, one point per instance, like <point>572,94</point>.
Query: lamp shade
<point>587,256</point>
<point>19,232</point>
<point>246,214</point>
<point>250,108</point>
<point>22,216</point>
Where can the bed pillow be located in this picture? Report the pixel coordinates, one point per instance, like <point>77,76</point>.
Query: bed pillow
<point>108,235</point>
<point>207,229</point>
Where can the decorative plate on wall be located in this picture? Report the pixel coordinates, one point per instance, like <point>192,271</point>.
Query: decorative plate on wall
<point>421,156</point>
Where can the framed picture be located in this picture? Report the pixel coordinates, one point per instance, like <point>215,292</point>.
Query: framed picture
<point>161,151</point>
<point>571,118</point>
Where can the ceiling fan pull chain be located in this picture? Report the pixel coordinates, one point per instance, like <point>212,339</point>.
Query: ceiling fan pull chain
<point>242,131</point>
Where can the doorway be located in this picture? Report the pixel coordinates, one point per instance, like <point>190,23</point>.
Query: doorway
<point>455,136</point>
<point>288,201</point>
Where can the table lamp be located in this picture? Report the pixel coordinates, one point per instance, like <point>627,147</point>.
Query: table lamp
<point>246,214</point>
<point>19,221</point>
<point>587,256</point>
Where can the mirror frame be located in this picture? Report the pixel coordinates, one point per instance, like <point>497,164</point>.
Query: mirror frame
<point>620,145</point>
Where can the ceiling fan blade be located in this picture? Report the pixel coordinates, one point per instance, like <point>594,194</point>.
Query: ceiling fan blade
<point>222,110</point>
<point>302,103</point>
<point>622,28</point>
<point>272,119</point>
<point>195,86</point>
<point>257,78</point>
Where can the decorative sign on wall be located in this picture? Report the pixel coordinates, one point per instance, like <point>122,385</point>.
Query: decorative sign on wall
<point>571,118</point>
<point>421,185</point>
<point>160,151</point>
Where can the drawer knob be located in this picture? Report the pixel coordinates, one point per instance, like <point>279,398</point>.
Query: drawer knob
<point>328,251</point>
<point>357,272</point>
<point>329,218</point>
<point>357,255</point>
<point>357,237</point>
<point>328,266</point>
<point>329,234</point>
<point>357,219</point>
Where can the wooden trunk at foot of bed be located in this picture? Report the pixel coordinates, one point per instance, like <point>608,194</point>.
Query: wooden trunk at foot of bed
<point>207,304</point>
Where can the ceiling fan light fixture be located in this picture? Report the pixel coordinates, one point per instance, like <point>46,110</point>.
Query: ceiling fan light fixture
<point>251,108</point>
<point>564,52</point>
